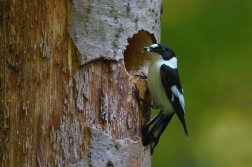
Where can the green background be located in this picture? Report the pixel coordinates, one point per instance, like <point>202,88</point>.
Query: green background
<point>213,42</point>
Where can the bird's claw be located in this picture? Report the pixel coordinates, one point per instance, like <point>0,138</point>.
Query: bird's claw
<point>136,92</point>
<point>139,99</point>
<point>142,76</point>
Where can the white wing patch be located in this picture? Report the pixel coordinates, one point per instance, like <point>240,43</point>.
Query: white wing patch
<point>179,95</point>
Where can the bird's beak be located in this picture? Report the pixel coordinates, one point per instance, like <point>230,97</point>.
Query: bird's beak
<point>146,48</point>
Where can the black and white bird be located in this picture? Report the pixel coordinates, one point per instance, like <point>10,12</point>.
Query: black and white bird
<point>166,90</point>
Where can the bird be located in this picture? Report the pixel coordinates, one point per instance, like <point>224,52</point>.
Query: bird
<point>166,91</point>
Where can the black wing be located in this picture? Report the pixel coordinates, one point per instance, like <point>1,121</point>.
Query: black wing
<point>170,78</point>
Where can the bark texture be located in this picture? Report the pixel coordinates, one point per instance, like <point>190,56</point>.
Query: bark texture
<point>67,72</point>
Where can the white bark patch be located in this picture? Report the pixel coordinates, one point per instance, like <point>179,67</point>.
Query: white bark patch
<point>114,22</point>
<point>103,149</point>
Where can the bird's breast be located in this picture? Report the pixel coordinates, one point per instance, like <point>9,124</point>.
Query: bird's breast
<point>157,89</point>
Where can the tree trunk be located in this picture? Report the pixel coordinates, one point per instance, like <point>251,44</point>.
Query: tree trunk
<point>67,72</point>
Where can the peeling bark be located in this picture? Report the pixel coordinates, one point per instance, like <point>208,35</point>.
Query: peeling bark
<point>66,76</point>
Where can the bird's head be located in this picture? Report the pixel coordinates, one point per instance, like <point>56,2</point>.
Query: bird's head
<point>160,50</point>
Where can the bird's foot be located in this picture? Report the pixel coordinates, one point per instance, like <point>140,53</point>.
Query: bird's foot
<point>142,76</point>
<point>136,92</point>
<point>139,99</point>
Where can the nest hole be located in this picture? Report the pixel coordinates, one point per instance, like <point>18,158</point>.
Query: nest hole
<point>136,61</point>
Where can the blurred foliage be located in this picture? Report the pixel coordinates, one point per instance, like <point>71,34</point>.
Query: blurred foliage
<point>213,42</point>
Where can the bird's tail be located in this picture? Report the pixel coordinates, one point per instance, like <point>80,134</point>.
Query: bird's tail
<point>154,128</point>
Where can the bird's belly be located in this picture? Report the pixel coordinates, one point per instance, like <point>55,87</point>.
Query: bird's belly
<point>157,90</point>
